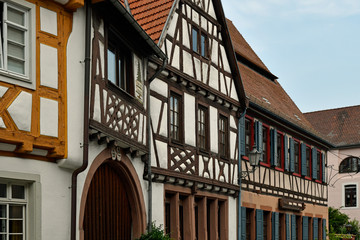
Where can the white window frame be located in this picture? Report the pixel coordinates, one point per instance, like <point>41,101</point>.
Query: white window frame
<point>343,195</point>
<point>27,80</point>
<point>32,198</point>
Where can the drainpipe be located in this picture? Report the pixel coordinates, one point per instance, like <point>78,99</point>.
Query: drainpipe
<point>86,120</point>
<point>239,175</point>
<point>160,69</point>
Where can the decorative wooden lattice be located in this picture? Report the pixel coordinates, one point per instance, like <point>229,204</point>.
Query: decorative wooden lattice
<point>183,160</point>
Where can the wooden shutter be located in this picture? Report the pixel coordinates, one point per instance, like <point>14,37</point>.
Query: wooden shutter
<point>324,228</point>
<point>259,224</point>
<point>243,223</point>
<point>305,228</point>
<point>314,162</point>
<point>286,153</point>
<point>323,169</point>
<point>242,135</point>
<point>293,227</point>
<point>273,150</point>
<point>275,225</point>
<point>292,155</point>
<point>259,137</point>
<point>315,229</point>
<point>303,159</point>
<point>287,227</point>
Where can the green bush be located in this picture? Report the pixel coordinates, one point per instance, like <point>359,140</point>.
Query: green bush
<point>156,233</point>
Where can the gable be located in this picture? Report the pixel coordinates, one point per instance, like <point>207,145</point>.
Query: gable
<point>213,65</point>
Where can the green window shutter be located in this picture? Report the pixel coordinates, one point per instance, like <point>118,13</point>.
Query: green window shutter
<point>273,150</point>
<point>303,159</point>
<point>292,155</point>
<point>323,168</point>
<point>315,229</point>
<point>259,224</point>
<point>324,228</point>
<point>287,226</point>
<point>293,227</point>
<point>258,137</point>
<point>242,135</point>
<point>275,225</point>
<point>286,153</point>
<point>305,228</point>
<point>243,223</point>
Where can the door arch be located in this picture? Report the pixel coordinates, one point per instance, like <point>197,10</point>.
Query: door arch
<point>109,188</point>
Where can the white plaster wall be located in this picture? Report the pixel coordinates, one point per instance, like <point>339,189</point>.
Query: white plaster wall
<point>336,191</point>
<point>232,217</point>
<point>189,121</point>
<point>158,204</point>
<point>213,129</point>
<point>55,194</point>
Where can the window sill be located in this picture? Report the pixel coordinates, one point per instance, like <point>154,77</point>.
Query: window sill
<point>308,178</point>
<point>264,164</point>
<point>245,158</point>
<point>297,174</point>
<point>318,181</point>
<point>17,79</point>
<point>279,169</point>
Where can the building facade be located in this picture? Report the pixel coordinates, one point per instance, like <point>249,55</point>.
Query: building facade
<point>340,127</point>
<point>286,196</point>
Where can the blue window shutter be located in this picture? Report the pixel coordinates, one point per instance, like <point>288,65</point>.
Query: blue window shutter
<point>242,135</point>
<point>275,225</point>
<point>292,155</point>
<point>287,227</point>
<point>315,229</point>
<point>273,145</point>
<point>303,159</point>
<point>243,223</point>
<point>314,162</point>
<point>259,224</point>
<point>258,137</point>
<point>305,228</point>
<point>324,229</point>
<point>323,168</point>
<point>293,227</point>
<point>286,153</point>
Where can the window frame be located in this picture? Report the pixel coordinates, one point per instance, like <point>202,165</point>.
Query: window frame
<point>351,158</point>
<point>202,47</point>
<point>28,79</point>
<point>223,117</point>
<point>344,195</point>
<point>319,169</point>
<point>123,81</point>
<point>280,148</point>
<point>251,135</point>
<point>206,124</point>
<point>266,142</point>
<point>308,162</point>
<point>298,149</point>
<point>180,97</point>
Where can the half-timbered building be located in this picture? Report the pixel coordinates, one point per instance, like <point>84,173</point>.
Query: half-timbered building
<point>195,104</point>
<point>286,196</point>
<point>341,127</point>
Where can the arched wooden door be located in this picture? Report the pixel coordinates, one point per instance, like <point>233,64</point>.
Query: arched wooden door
<point>107,209</point>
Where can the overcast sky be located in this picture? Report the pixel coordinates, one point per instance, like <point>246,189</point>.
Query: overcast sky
<point>312,46</point>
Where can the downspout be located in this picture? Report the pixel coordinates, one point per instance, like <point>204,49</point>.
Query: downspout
<point>86,120</point>
<point>239,175</point>
<point>160,69</point>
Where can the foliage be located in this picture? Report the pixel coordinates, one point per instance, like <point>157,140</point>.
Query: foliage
<point>156,233</point>
<point>337,223</point>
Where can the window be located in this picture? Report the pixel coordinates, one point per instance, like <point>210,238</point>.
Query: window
<point>279,139</point>
<point>223,136</point>
<point>350,195</point>
<point>249,218</point>
<point>350,164</point>
<point>308,161</point>
<point>209,211</point>
<point>266,219</point>
<point>175,116</point>
<point>248,136</point>
<point>119,64</point>
<point>199,42</point>
<point>297,156</point>
<point>318,167</point>
<point>203,123</point>
<point>17,42</point>
<point>13,204</point>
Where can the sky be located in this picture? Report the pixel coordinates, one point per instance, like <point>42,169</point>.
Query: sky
<point>312,46</point>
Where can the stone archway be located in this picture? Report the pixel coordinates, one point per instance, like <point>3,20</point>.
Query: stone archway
<point>110,187</point>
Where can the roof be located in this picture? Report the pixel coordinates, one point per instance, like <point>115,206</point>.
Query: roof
<point>340,126</point>
<point>151,15</point>
<point>242,47</point>
<point>262,91</point>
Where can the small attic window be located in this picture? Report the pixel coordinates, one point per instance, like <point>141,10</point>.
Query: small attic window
<point>267,101</point>
<point>297,117</point>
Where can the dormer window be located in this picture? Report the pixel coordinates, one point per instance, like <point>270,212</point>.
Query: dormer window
<point>199,42</point>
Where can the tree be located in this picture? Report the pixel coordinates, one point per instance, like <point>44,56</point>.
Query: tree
<point>338,222</point>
